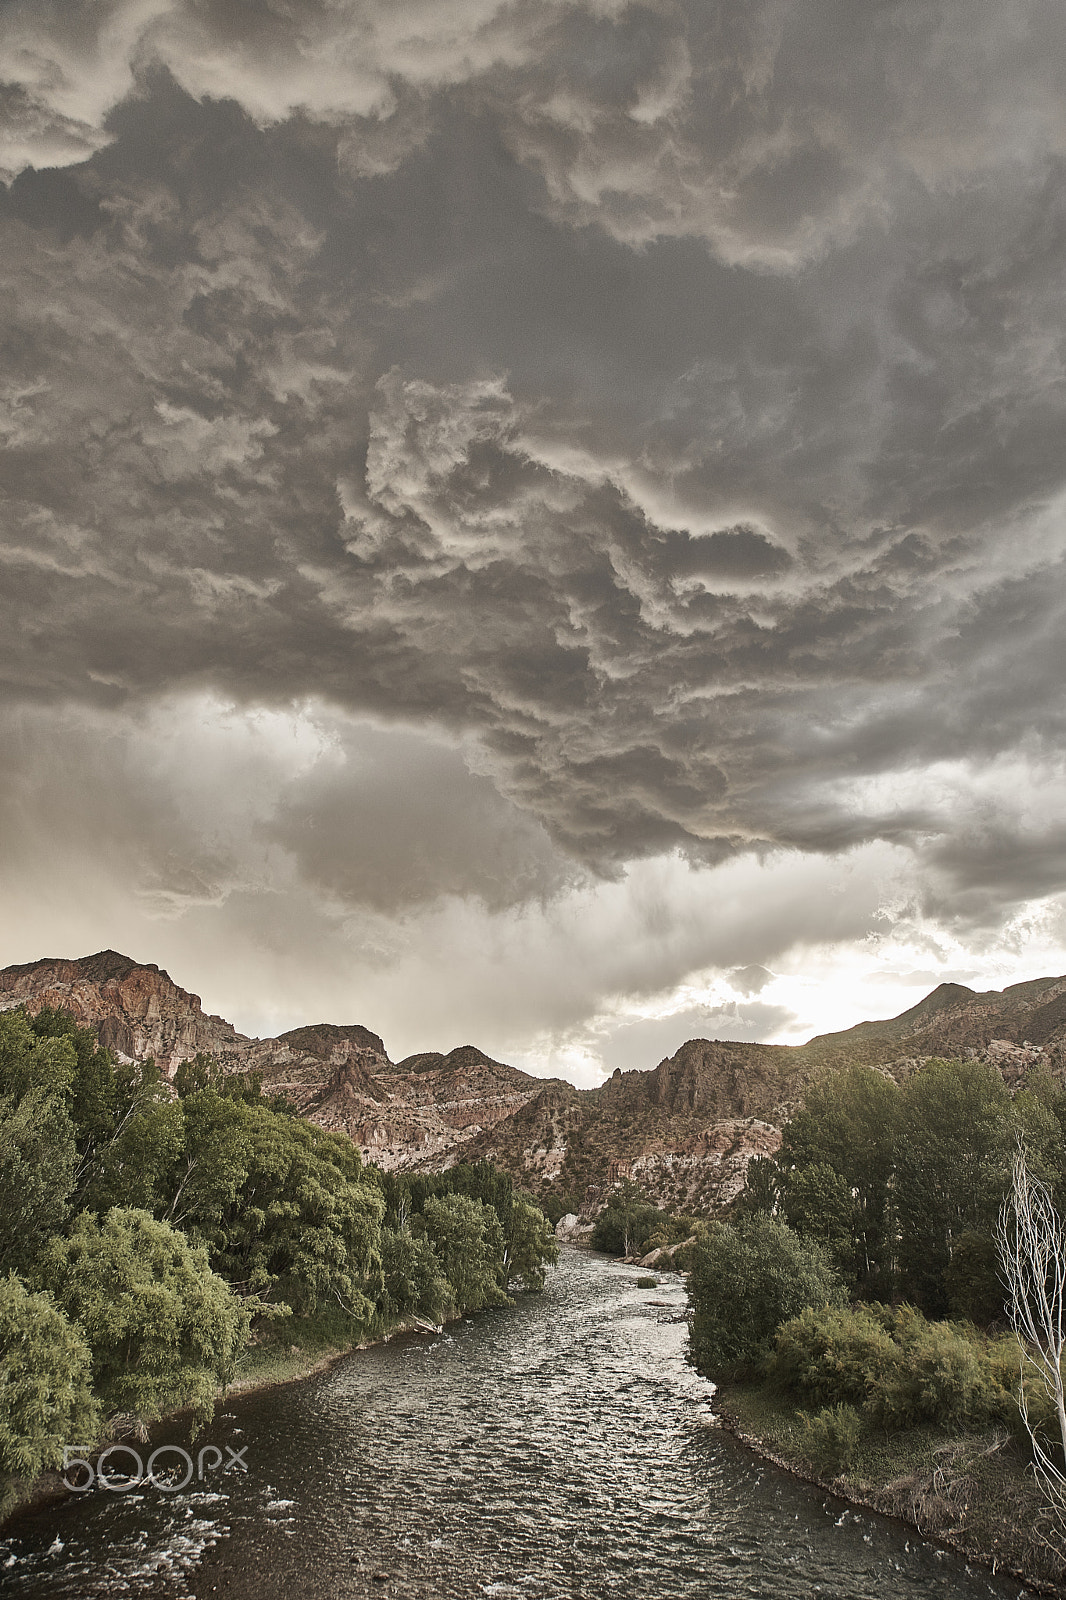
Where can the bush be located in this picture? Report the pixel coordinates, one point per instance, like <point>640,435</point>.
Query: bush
<point>745,1282</point>
<point>829,1353</point>
<point>948,1373</point>
<point>831,1437</point>
<point>902,1370</point>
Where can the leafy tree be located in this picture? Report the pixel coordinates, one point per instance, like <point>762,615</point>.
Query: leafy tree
<point>133,1168</point>
<point>556,1205</point>
<point>302,1226</point>
<point>847,1128</point>
<point>37,1159</point>
<point>818,1204</point>
<point>415,1285</point>
<point>212,1163</point>
<point>744,1283</point>
<point>27,1062</point>
<point>45,1396</point>
<point>162,1329</point>
<point>468,1240</point>
<point>627,1222</point>
<point>529,1247</point>
<point>953,1144</point>
<point>37,1153</point>
<point>761,1193</point>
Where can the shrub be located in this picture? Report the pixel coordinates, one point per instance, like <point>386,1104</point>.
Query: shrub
<point>902,1370</point>
<point>745,1282</point>
<point>829,1353</point>
<point>948,1373</point>
<point>831,1437</point>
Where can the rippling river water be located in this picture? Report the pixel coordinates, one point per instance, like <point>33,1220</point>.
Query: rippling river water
<point>558,1449</point>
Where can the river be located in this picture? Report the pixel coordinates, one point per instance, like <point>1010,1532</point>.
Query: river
<point>559,1449</point>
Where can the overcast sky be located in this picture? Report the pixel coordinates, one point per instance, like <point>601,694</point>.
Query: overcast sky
<point>539,524</point>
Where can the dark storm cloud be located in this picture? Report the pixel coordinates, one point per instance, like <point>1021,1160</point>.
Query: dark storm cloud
<point>667,397</point>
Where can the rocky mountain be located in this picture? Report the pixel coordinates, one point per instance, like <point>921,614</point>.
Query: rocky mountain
<point>684,1130</point>
<point>135,1008</point>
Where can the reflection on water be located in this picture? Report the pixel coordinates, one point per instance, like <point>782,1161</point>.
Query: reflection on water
<point>560,1449</point>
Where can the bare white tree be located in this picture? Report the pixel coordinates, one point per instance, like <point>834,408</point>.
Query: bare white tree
<point>1031,1246</point>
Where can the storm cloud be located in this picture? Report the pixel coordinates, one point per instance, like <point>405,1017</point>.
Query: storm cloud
<point>609,439</point>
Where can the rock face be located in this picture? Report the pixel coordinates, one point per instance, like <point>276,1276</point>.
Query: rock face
<point>685,1131</point>
<point>136,1009</point>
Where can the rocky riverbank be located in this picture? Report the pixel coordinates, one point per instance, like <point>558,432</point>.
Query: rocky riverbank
<point>969,1492</point>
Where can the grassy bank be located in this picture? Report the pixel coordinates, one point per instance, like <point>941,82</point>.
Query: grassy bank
<point>296,1347</point>
<point>970,1491</point>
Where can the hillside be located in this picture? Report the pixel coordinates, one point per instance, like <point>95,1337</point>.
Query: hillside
<point>684,1129</point>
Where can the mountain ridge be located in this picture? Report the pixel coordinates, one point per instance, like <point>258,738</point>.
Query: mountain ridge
<point>685,1129</point>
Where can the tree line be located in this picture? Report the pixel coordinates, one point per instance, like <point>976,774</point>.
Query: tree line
<point>145,1226</point>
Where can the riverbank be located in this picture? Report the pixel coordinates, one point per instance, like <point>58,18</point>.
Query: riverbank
<point>969,1492</point>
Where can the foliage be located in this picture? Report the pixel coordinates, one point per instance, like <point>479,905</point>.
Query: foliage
<point>468,1239</point>
<point>415,1284</point>
<point>162,1329</point>
<point>281,1207</point>
<point>557,1205</point>
<point>45,1398</point>
<point>900,1369</point>
<point>953,1147</point>
<point>629,1225</point>
<point>158,1220</point>
<point>28,1062</point>
<point>832,1353</point>
<point>831,1437</point>
<point>903,1185</point>
<point>529,1247</point>
<point>528,1241</point>
<point>37,1159</point>
<point>747,1280</point>
<point>835,1171</point>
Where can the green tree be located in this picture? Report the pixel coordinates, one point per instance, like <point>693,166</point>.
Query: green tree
<point>468,1240</point>
<point>953,1146</point>
<point>37,1152</point>
<point>847,1125</point>
<point>162,1329</point>
<point>627,1222</point>
<point>27,1062</point>
<point>817,1204</point>
<point>303,1225</point>
<point>744,1283</point>
<point>529,1247</point>
<point>45,1397</point>
<point>37,1159</point>
<point>415,1284</point>
<point>761,1193</point>
<point>133,1167</point>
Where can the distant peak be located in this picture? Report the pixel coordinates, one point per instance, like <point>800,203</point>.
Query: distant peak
<point>102,967</point>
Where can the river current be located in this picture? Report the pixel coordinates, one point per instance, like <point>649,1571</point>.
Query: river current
<point>559,1449</point>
